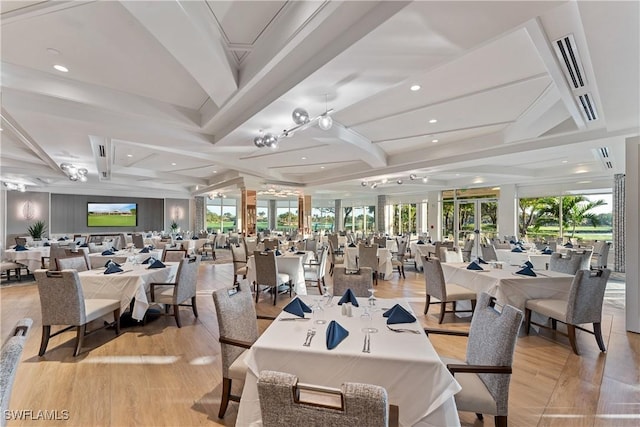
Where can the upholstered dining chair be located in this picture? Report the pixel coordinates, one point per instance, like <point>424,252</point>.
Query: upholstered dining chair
<point>600,254</point>
<point>22,241</point>
<point>368,257</point>
<point>10,356</point>
<point>398,260</point>
<point>314,271</point>
<point>337,260</point>
<point>359,282</point>
<point>444,292</point>
<point>74,262</point>
<point>137,240</point>
<point>176,294</point>
<point>267,274</point>
<point>586,297</point>
<point>62,302</point>
<point>239,257</point>
<point>568,265</point>
<point>466,250</point>
<point>236,314</point>
<point>283,403</point>
<point>486,373</point>
<point>174,255</point>
<point>450,255</point>
<point>488,252</point>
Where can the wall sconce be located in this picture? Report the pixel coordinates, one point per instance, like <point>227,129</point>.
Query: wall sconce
<point>73,172</point>
<point>28,211</point>
<point>11,186</point>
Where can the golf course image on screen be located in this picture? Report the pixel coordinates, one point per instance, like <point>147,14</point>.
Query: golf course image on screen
<point>112,214</point>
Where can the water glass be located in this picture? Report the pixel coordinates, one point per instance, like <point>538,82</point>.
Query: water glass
<point>317,313</point>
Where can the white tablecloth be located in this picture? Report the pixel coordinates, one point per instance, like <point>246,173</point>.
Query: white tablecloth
<point>538,260</point>
<point>508,287</point>
<point>98,260</point>
<point>133,282</point>
<point>417,251</point>
<point>288,263</point>
<point>32,257</point>
<point>384,260</point>
<point>406,365</point>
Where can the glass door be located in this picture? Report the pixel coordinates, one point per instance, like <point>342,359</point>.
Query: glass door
<point>476,220</point>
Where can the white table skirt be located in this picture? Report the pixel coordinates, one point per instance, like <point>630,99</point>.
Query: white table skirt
<point>417,251</point>
<point>98,260</point>
<point>290,264</point>
<point>384,260</point>
<point>32,257</point>
<point>539,261</point>
<point>508,287</point>
<point>406,365</point>
<point>132,283</point>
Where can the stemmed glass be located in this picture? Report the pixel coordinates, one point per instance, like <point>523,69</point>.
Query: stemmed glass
<point>317,312</point>
<point>366,320</point>
<point>372,299</point>
<point>326,295</point>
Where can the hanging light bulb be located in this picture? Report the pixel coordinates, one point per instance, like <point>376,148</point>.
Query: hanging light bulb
<point>259,141</point>
<point>399,182</point>
<point>325,122</point>
<point>300,116</point>
<point>413,177</point>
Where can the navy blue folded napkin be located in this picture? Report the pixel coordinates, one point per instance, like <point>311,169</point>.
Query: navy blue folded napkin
<point>513,242</point>
<point>149,260</point>
<point>194,238</point>
<point>297,307</point>
<point>300,253</point>
<point>84,245</point>
<point>474,266</point>
<point>516,249</point>
<point>157,264</point>
<point>61,239</point>
<point>292,249</point>
<point>398,314</point>
<point>349,297</point>
<point>527,264</point>
<point>278,253</point>
<point>144,250</point>
<point>46,244</point>
<point>352,245</point>
<point>547,251</point>
<point>19,248</point>
<point>179,238</point>
<point>335,334</point>
<point>419,242</point>
<point>112,269</point>
<point>527,271</point>
<point>568,245</point>
<point>107,252</point>
<point>266,249</point>
<point>481,261</point>
<point>110,263</point>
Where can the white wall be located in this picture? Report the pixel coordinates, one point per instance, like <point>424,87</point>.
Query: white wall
<point>508,211</point>
<point>632,237</point>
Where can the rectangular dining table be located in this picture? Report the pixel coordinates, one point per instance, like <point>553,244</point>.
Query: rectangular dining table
<point>289,263</point>
<point>132,282</point>
<point>405,364</point>
<point>32,257</point>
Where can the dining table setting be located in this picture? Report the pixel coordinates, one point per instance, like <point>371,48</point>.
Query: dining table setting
<point>288,262</point>
<point>329,340</point>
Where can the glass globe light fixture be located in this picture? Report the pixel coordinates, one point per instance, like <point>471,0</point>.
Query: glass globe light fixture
<point>259,141</point>
<point>300,116</point>
<point>364,183</point>
<point>399,181</point>
<point>325,122</point>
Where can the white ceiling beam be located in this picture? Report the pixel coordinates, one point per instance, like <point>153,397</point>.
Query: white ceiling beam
<point>186,29</point>
<point>372,154</point>
<point>39,8</point>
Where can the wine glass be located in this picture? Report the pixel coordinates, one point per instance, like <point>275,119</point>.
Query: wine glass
<point>366,320</point>
<point>372,299</point>
<point>326,295</point>
<point>317,312</point>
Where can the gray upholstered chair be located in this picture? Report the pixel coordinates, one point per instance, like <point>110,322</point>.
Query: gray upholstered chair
<point>568,265</point>
<point>137,240</point>
<point>584,306</point>
<point>466,250</point>
<point>488,252</point>
<point>267,274</point>
<point>239,257</point>
<point>368,257</point>
<point>271,244</point>
<point>444,244</point>
<point>10,356</point>
<point>62,303</point>
<point>337,259</point>
<point>176,294</point>
<point>359,282</point>
<point>236,315</point>
<point>174,255</point>
<point>380,242</point>
<point>73,262</point>
<point>444,292</point>
<point>486,373</point>
<point>22,241</point>
<point>450,255</point>
<point>315,270</point>
<point>282,403</point>
<point>600,254</point>
<point>398,261</point>
<point>311,245</point>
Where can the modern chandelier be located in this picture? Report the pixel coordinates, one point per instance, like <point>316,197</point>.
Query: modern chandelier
<point>73,172</point>
<point>374,184</point>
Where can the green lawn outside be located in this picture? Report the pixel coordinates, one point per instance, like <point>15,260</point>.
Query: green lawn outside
<point>111,220</point>
<point>604,232</point>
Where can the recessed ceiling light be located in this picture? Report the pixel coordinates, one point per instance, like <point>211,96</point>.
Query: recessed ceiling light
<point>303,158</point>
<point>215,171</point>
<point>565,161</point>
<point>321,167</point>
<point>415,88</point>
<point>129,155</point>
<point>434,140</point>
<point>584,182</point>
<point>457,174</point>
<point>61,68</point>
<point>52,51</point>
<point>173,163</point>
<point>433,121</point>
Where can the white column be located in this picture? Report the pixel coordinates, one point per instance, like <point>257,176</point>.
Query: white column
<point>508,211</point>
<point>632,239</point>
<point>434,215</point>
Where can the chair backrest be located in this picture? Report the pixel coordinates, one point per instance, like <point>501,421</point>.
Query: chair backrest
<point>137,240</point>
<point>434,278</point>
<point>236,315</point>
<point>266,268</point>
<point>492,341</point>
<point>489,253</point>
<point>311,245</point>
<point>368,257</point>
<point>271,244</point>
<point>250,245</point>
<point>568,265</point>
<point>586,296</point>
<point>322,261</point>
<point>61,297</point>
<point>74,262</point>
<point>239,256</point>
<point>333,239</point>
<point>280,405</point>
<point>402,249</point>
<point>381,242</point>
<point>186,279</point>
<point>21,241</point>
<point>10,356</point>
<point>174,255</point>
<point>450,255</point>
<point>601,253</point>
<point>359,282</point>
<point>55,251</point>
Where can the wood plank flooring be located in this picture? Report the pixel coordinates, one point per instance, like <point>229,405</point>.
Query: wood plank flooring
<point>159,375</point>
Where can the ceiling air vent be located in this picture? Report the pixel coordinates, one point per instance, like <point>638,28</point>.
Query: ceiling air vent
<point>101,151</point>
<point>605,157</point>
<point>588,107</point>
<point>567,54</point>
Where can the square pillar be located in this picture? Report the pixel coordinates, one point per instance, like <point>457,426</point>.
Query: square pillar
<point>381,213</point>
<point>304,214</point>
<point>248,212</point>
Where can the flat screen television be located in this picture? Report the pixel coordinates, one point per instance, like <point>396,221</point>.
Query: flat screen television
<point>112,214</point>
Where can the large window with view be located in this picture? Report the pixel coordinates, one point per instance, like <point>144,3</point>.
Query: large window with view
<point>286,215</point>
<point>470,212</point>
<point>262,215</point>
<point>404,218</point>
<point>221,215</point>
<point>323,219</point>
<point>360,218</point>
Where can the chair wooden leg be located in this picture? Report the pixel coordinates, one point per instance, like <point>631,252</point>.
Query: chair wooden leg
<point>571,331</point>
<point>116,320</point>
<point>319,287</point>
<point>597,331</point>
<point>500,420</point>
<point>80,331</point>
<point>194,306</point>
<point>46,333</point>
<point>480,416</point>
<point>426,304</point>
<point>473,306</point>
<point>527,320</point>
<point>226,392</point>
<point>176,313</point>
<point>554,324</point>
<point>257,291</point>
<point>403,276</point>
<point>443,308</point>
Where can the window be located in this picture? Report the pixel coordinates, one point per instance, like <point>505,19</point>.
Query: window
<point>323,219</point>
<point>221,215</point>
<point>262,215</point>
<point>360,218</point>
<point>404,218</point>
<point>286,215</point>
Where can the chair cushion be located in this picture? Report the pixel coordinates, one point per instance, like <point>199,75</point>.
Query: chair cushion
<point>555,308</point>
<point>283,277</point>
<point>164,295</point>
<point>238,369</point>
<point>241,270</point>
<point>456,292</point>
<point>10,265</point>
<point>474,396</point>
<point>95,308</point>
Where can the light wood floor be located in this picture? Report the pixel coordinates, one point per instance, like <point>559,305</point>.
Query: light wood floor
<point>159,375</point>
